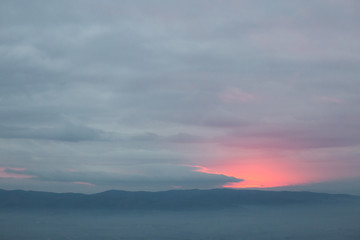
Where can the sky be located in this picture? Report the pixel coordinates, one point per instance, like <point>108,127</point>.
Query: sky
<point>156,95</point>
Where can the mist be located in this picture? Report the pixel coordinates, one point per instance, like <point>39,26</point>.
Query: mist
<point>303,221</point>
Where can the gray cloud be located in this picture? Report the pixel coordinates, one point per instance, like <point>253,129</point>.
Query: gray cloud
<point>311,134</point>
<point>167,176</point>
<point>127,82</point>
<point>63,133</point>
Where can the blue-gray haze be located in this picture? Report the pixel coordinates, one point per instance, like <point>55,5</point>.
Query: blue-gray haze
<point>311,222</point>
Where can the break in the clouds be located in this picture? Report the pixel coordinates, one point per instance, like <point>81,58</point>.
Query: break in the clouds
<point>128,93</point>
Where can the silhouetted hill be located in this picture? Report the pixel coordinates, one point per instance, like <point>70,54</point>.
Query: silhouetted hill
<point>166,200</point>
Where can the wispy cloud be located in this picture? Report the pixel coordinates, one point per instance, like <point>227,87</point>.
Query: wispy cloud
<point>236,95</point>
<point>9,172</point>
<point>330,99</point>
<point>84,183</point>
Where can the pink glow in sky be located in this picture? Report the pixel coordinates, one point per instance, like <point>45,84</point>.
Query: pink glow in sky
<point>84,183</point>
<point>263,168</point>
<point>262,173</point>
<point>4,174</point>
<point>330,99</point>
<point>257,173</point>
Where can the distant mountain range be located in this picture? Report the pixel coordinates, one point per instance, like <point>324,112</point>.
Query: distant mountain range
<point>165,200</point>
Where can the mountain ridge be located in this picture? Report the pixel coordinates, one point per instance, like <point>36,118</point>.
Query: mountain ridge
<point>162,200</point>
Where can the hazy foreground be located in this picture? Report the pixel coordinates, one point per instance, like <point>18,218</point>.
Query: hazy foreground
<point>330,221</point>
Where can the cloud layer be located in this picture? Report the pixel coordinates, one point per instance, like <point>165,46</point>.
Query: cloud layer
<point>157,85</point>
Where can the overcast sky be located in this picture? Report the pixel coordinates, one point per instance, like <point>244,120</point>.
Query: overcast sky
<point>155,94</point>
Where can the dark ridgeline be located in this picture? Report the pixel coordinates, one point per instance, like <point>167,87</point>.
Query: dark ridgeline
<point>165,200</point>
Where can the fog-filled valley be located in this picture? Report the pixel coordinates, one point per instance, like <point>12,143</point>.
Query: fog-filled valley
<point>255,222</point>
<point>317,216</point>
